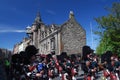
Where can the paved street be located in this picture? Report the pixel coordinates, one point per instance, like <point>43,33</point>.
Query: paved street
<point>82,76</point>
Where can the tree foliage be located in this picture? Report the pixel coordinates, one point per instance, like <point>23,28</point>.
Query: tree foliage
<point>109,30</point>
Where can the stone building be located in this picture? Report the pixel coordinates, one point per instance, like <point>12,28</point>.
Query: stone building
<point>22,45</point>
<point>69,37</point>
<point>5,53</point>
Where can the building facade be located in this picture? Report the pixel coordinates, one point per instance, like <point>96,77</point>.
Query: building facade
<point>69,37</point>
<point>5,53</point>
<point>21,46</point>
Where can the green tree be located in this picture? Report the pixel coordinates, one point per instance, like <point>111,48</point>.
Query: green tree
<point>109,30</point>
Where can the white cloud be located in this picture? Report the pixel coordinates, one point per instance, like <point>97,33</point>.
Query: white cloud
<point>50,12</point>
<point>18,31</point>
<point>8,28</point>
<point>10,49</point>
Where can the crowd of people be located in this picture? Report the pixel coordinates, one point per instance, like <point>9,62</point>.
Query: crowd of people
<point>108,63</point>
<point>28,65</point>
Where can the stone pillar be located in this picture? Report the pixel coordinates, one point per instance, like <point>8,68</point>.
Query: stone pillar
<point>60,45</point>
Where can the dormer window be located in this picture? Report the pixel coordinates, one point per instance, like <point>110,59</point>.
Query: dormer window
<point>50,31</point>
<point>52,28</point>
<point>45,33</point>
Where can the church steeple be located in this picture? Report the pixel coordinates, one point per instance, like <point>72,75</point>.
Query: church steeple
<point>38,19</point>
<point>71,15</point>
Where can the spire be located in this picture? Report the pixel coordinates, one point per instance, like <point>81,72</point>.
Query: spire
<point>71,15</point>
<point>38,19</point>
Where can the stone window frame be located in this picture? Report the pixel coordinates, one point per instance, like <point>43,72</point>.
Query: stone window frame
<point>52,42</point>
<point>42,34</point>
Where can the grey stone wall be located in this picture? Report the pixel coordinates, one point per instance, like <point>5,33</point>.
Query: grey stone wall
<point>73,37</point>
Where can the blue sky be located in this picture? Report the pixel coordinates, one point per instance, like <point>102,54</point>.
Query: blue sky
<point>16,15</point>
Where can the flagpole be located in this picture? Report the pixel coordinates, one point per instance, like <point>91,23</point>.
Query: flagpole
<point>91,34</point>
